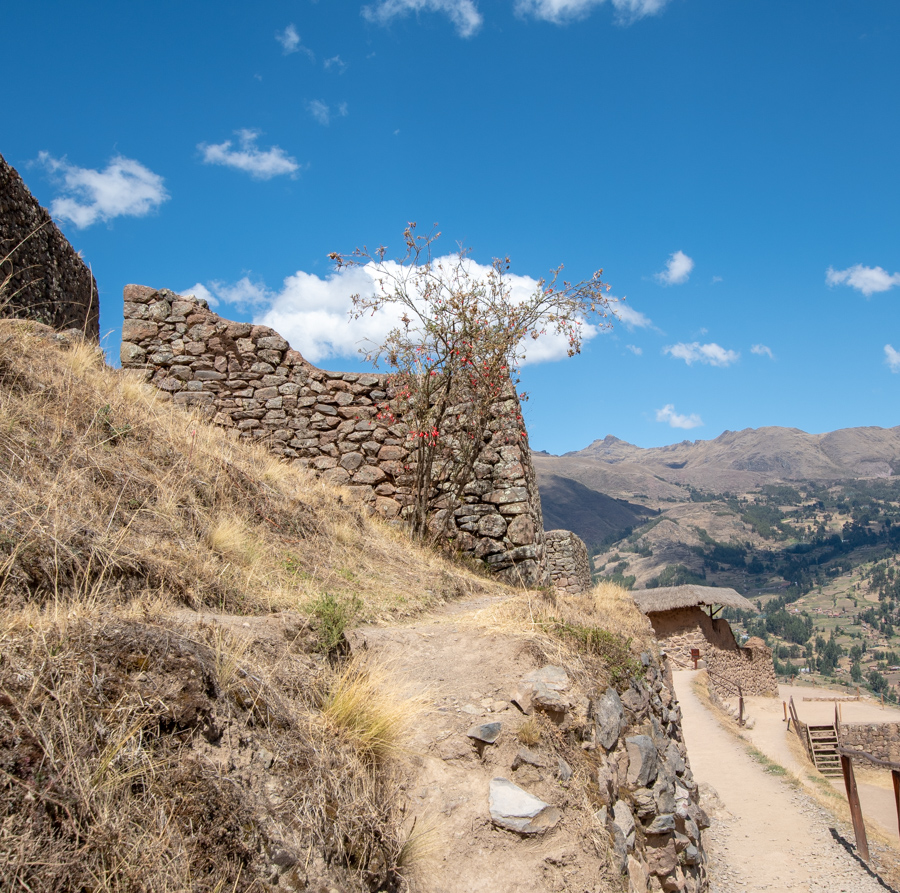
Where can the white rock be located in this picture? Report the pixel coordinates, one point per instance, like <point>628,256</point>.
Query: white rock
<point>514,808</point>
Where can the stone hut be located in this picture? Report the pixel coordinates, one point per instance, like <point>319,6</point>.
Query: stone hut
<point>681,625</point>
<point>48,280</point>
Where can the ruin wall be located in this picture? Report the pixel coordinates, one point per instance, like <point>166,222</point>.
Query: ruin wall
<point>48,280</point>
<point>567,562</point>
<point>248,379</point>
<point>682,629</point>
<point>750,668</point>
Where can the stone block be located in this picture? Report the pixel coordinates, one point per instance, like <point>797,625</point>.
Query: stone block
<point>513,808</point>
<point>492,525</point>
<point>131,354</point>
<point>608,714</point>
<point>369,474</point>
<point>138,330</point>
<point>642,758</point>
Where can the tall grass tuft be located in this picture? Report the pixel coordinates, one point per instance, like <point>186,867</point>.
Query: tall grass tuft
<point>363,705</point>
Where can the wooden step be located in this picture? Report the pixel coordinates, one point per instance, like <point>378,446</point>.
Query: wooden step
<point>823,743</point>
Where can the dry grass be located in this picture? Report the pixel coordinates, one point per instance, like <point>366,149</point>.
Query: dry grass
<point>600,632</point>
<point>107,488</point>
<point>365,707</point>
<point>529,732</point>
<point>144,745</point>
<point>150,756</point>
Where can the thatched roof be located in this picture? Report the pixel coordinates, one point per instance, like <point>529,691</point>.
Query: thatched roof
<point>668,598</point>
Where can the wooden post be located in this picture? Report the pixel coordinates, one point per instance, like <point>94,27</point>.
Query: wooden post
<point>740,709</point>
<point>784,704</point>
<point>859,827</point>
<point>895,777</point>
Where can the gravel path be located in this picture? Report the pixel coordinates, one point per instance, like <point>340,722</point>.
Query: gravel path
<point>766,835</point>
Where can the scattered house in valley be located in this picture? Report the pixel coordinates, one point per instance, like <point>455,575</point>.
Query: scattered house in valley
<point>682,626</point>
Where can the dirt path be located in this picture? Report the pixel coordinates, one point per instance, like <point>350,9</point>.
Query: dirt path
<point>769,735</point>
<point>464,675</point>
<point>767,836</point>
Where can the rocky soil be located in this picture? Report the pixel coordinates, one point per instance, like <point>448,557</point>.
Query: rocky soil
<point>521,776</point>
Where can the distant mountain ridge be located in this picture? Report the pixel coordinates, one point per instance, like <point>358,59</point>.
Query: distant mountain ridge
<point>735,460</point>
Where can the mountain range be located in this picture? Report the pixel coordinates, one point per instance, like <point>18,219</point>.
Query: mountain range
<point>647,480</point>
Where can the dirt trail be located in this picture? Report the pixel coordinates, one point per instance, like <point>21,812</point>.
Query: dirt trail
<point>767,835</point>
<point>465,676</point>
<point>769,735</point>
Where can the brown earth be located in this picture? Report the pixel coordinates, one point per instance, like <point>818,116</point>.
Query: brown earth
<point>767,835</point>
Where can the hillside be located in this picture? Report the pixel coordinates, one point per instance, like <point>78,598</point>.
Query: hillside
<point>171,603</point>
<point>566,504</point>
<point>221,673</point>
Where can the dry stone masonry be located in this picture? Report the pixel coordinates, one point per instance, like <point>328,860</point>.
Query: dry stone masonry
<point>248,379</point>
<point>751,667</point>
<point>567,562</point>
<point>49,281</point>
<point>651,800</point>
<point>881,739</point>
<point>682,630</point>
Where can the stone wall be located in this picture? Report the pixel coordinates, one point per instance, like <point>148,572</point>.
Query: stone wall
<point>751,668</point>
<point>651,802</point>
<point>682,629</point>
<point>567,562</point>
<point>49,280</point>
<point>881,739</point>
<point>249,380</point>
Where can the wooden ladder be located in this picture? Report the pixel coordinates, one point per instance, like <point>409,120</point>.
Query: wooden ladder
<point>823,747</point>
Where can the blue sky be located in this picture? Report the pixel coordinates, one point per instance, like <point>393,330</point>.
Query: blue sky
<point>732,166</point>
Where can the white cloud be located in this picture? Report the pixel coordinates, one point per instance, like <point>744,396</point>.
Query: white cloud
<point>335,62</point>
<point>261,165</point>
<point>676,420</point>
<point>289,39</point>
<point>291,43</point>
<point>313,313</point>
<point>125,188</point>
<point>463,13</point>
<point>629,317</point>
<point>562,11</point>
<point>892,358</point>
<point>635,350</point>
<point>678,269</point>
<point>868,280</point>
<point>711,354</point>
<point>323,113</point>
<point>762,351</point>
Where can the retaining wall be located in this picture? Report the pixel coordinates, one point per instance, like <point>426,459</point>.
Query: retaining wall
<point>881,739</point>
<point>567,562</point>
<point>49,280</point>
<point>249,380</point>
